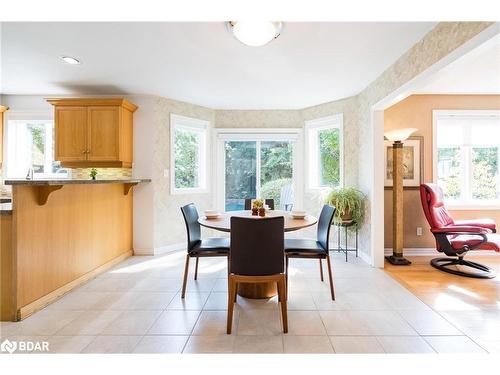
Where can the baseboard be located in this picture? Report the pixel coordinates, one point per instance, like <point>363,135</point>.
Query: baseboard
<point>42,302</point>
<point>169,248</point>
<point>146,251</point>
<point>430,251</point>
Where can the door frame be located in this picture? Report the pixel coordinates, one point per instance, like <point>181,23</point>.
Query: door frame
<point>220,135</point>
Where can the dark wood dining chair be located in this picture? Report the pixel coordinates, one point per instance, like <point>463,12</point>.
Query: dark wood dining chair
<point>314,249</point>
<point>257,256</point>
<point>197,247</point>
<point>248,203</point>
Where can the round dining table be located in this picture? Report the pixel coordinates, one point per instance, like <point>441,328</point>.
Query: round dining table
<point>223,223</point>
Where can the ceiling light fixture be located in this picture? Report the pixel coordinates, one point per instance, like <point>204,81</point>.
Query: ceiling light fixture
<point>70,60</point>
<point>255,33</point>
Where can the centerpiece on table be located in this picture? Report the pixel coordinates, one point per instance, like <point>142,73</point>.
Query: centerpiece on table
<point>258,207</point>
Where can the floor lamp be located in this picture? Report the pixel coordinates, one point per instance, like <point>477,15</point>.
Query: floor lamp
<point>397,137</point>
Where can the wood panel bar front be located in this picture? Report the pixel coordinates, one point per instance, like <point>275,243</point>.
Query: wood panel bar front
<point>81,229</point>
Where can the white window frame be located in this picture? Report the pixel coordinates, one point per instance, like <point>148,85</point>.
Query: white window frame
<point>34,116</point>
<point>464,204</point>
<point>258,134</point>
<point>203,128</point>
<point>312,129</point>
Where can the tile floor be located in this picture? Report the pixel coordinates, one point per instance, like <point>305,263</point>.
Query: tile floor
<point>136,308</point>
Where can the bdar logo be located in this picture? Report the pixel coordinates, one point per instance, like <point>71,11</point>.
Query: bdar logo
<point>8,346</point>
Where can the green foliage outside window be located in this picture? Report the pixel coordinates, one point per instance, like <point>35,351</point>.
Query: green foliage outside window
<point>186,159</point>
<point>485,173</point>
<point>329,149</point>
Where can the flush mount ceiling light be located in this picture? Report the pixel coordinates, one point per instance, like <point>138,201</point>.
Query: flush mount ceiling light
<point>255,33</point>
<point>71,60</point>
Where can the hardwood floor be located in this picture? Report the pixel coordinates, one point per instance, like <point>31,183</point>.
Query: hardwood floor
<point>444,291</point>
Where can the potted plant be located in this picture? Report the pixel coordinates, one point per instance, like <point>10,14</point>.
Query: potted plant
<point>93,173</point>
<point>349,204</point>
<point>258,207</point>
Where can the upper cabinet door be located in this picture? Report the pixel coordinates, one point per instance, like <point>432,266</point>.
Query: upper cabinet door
<point>71,133</point>
<point>104,133</point>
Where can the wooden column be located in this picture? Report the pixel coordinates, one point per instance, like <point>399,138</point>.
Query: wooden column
<point>397,198</point>
<point>397,206</point>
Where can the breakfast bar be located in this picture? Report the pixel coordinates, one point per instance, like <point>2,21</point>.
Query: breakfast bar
<point>58,234</point>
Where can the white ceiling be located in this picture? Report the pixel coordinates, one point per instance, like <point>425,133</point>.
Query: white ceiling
<point>309,64</point>
<point>477,72</point>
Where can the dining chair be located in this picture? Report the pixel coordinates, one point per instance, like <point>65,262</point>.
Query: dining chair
<point>314,249</point>
<point>197,247</point>
<point>257,256</point>
<point>248,203</point>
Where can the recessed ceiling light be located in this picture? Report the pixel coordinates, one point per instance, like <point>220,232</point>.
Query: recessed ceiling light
<point>255,33</point>
<point>71,60</point>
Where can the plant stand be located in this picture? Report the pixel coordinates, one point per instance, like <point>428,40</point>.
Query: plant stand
<point>346,225</point>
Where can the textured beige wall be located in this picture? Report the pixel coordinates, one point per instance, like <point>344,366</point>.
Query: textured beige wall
<point>416,112</point>
<point>258,119</point>
<point>169,226</point>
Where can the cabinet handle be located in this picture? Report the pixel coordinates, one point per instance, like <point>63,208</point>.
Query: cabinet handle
<point>84,152</point>
<point>88,151</point>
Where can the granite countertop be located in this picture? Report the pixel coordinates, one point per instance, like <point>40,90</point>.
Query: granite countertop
<point>75,182</point>
<point>5,208</point>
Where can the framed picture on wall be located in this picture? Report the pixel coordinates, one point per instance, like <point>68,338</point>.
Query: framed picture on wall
<point>413,163</point>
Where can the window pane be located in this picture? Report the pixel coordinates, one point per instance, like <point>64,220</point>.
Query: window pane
<point>186,149</point>
<point>276,170</point>
<point>449,174</point>
<point>241,173</point>
<point>485,179</point>
<point>36,146</point>
<point>329,149</point>
<point>450,132</point>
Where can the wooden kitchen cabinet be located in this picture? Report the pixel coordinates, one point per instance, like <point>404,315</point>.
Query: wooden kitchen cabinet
<point>93,132</point>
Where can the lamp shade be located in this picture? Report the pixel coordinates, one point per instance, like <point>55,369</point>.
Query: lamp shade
<point>400,135</point>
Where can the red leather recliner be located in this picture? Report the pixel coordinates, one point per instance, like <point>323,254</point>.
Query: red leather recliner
<point>456,238</point>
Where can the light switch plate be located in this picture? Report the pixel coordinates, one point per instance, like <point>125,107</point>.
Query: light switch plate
<point>419,231</point>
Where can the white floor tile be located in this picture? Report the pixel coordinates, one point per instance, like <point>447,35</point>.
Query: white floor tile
<point>428,322</point>
<point>112,344</point>
<point>258,344</point>
<point>191,301</point>
<point>210,344</point>
<point>175,322</point>
<point>356,345</point>
<point>402,344</point>
<point>161,344</point>
<point>89,323</point>
<point>131,323</point>
<point>68,344</point>
<point>305,323</point>
<point>453,344</point>
<point>307,344</point>
<point>212,323</point>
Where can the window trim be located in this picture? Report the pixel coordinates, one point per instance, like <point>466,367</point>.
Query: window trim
<point>194,125</point>
<point>329,122</point>
<point>436,116</point>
